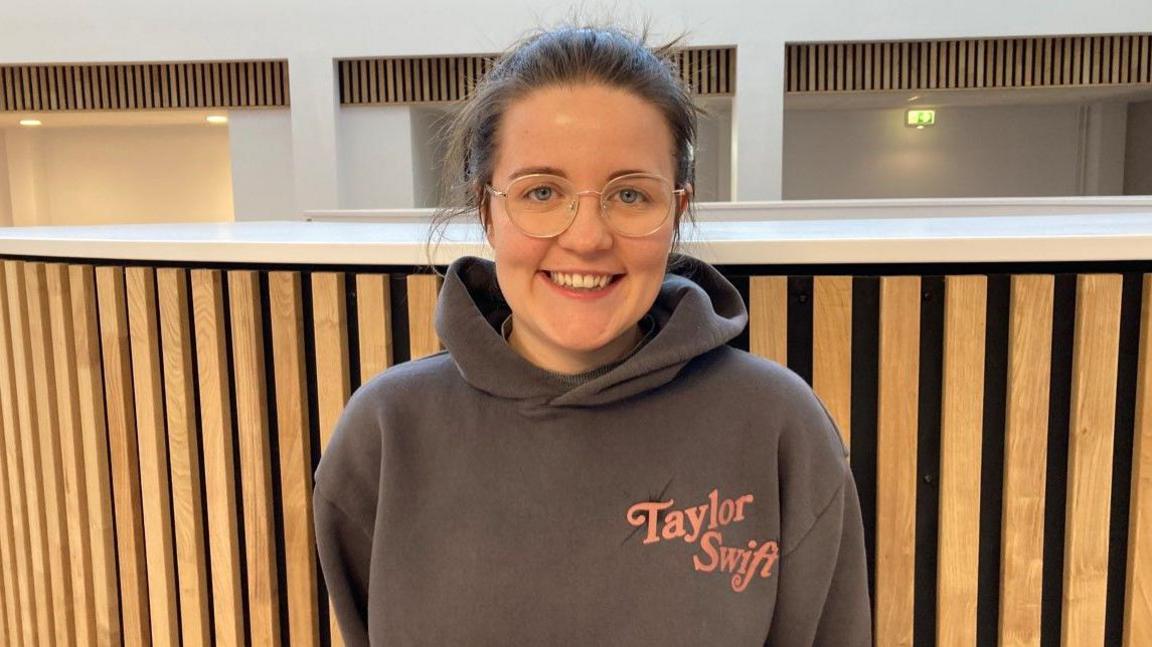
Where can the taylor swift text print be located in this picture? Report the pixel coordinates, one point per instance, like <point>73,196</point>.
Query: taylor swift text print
<point>703,523</point>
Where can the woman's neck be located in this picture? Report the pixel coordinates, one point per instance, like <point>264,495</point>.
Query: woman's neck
<point>569,362</point>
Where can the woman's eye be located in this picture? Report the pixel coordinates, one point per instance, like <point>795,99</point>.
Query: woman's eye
<point>630,196</point>
<point>541,193</point>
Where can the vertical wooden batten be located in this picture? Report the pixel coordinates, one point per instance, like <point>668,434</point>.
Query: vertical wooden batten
<point>896,442</point>
<point>961,443</point>
<point>255,456</point>
<point>184,455</point>
<point>768,318</point>
<point>832,349</point>
<point>1138,580</point>
<point>286,311</point>
<point>122,450</point>
<point>374,324</point>
<point>50,469</point>
<point>333,381</point>
<point>422,293</point>
<point>1025,456</point>
<point>1090,442</point>
<point>151,436</point>
<point>22,596</point>
<point>98,486</point>
<point>219,464</point>
<point>71,451</point>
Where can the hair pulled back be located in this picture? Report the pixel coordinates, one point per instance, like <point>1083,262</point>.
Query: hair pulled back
<point>565,55</point>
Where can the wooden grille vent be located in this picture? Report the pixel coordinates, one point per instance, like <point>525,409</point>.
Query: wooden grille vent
<point>1068,61</point>
<point>432,79</point>
<point>142,86</point>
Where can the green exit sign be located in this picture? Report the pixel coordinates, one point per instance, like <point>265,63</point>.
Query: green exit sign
<point>921,118</point>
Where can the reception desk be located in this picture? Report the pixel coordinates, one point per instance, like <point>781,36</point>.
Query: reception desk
<point>166,392</point>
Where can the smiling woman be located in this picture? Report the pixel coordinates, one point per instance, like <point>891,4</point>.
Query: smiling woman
<point>586,387</point>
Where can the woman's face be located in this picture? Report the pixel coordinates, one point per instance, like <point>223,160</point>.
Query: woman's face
<point>588,134</point>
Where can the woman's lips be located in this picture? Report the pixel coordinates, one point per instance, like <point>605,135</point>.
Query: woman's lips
<point>582,295</point>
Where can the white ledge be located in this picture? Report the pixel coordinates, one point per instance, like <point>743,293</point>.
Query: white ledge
<point>1064,237</point>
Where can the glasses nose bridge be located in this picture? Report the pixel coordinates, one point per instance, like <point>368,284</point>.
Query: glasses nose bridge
<point>575,204</point>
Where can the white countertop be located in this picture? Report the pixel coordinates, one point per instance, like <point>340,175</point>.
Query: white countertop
<point>1095,237</point>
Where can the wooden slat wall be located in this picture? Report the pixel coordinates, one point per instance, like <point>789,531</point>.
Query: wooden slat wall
<point>1059,61</point>
<point>709,71</point>
<point>149,345</point>
<point>143,86</point>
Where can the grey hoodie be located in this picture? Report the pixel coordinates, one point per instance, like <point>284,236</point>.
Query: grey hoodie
<point>692,495</point>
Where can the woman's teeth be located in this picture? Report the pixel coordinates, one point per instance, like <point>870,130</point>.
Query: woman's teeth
<point>580,281</point>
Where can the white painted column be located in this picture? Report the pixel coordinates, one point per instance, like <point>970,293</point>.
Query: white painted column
<point>758,121</point>
<point>315,111</point>
<point>1104,148</point>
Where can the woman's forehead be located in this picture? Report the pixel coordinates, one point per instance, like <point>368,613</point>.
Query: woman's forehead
<point>583,130</point>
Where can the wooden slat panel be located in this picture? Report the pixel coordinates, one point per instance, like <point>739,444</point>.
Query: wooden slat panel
<point>71,451</point>
<point>1138,580</point>
<point>255,456</point>
<point>896,441</point>
<point>122,454</point>
<point>333,382</point>
<point>768,318</point>
<point>1092,426</point>
<point>832,348</point>
<point>184,448</point>
<point>961,432</point>
<point>144,336</point>
<point>219,463</point>
<point>98,487</point>
<point>422,293</point>
<point>14,469</point>
<point>10,599</point>
<point>374,324</point>
<point>29,452</point>
<point>286,311</point>
<point>51,473</point>
<point>1025,452</point>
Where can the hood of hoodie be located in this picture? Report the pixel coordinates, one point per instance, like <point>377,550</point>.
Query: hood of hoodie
<point>696,310</point>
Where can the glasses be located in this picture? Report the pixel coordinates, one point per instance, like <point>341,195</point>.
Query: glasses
<point>543,206</point>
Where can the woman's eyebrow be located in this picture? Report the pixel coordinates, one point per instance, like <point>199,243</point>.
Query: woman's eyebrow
<point>551,170</point>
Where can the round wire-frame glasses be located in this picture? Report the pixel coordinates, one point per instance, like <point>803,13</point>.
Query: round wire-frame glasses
<point>574,203</point>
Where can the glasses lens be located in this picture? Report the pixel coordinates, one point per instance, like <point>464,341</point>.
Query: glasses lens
<point>638,204</point>
<point>539,204</point>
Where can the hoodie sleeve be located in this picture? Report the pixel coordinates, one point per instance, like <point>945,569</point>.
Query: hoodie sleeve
<point>344,501</point>
<point>345,551</point>
<point>822,597</point>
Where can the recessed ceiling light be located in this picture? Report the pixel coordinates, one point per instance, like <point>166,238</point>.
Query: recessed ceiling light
<point>217,119</point>
<point>29,122</point>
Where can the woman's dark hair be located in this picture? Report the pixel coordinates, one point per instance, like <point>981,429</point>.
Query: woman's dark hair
<point>566,55</point>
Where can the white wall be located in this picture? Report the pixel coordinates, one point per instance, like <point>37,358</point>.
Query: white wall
<point>1034,150</point>
<point>1138,164</point>
<point>99,175</point>
<point>260,144</point>
<point>429,148</point>
<point>310,35</point>
<point>375,163</point>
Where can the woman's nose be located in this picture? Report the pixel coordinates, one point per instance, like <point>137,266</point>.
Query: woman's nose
<point>589,230</point>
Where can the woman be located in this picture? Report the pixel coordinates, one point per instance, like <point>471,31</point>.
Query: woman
<point>589,462</point>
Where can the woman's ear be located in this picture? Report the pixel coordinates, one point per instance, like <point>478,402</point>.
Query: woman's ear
<point>684,199</point>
